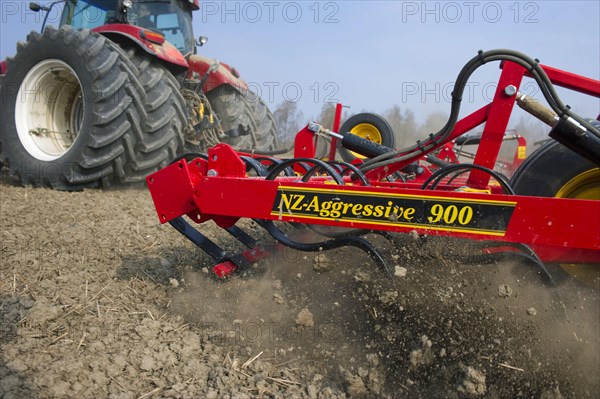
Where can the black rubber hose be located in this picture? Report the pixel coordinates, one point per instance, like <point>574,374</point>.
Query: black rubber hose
<point>461,81</point>
<point>437,161</point>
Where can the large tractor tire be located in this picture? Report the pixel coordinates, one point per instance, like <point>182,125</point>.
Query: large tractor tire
<point>556,171</point>
<point>246,120</point>
<point>77,112</point>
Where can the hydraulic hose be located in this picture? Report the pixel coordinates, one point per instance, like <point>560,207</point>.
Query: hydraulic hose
<point>482,58</point>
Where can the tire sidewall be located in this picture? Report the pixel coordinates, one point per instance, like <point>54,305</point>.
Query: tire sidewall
<point>548,169</point>
<point>31,169</point>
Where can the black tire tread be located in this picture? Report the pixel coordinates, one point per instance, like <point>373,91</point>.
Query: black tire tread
<point>246,113</point>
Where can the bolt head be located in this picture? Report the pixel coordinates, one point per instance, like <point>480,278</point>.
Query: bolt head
<point>510,90</point>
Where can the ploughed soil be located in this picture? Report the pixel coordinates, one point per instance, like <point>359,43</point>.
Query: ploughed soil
<point>97,299</point>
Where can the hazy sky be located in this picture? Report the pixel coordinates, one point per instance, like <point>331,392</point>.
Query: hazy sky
<point>373,54</point>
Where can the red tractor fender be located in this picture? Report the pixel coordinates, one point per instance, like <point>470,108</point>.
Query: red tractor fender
<point>164,51</point>
<point>199,65</point>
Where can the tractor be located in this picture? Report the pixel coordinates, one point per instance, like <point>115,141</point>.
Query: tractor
<point>117,92</point>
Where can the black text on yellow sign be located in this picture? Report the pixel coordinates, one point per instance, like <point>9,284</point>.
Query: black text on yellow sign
<point>433,213</point>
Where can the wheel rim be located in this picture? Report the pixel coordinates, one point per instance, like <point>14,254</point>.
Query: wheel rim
<point>366,131</point>
<point>583,186</point>
<point>49,110</point>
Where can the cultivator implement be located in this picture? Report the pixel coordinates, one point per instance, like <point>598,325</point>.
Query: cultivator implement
<point>399,191</point>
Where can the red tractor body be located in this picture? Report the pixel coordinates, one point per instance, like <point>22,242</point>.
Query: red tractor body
<point>150,41</point>
<point>154,42</point>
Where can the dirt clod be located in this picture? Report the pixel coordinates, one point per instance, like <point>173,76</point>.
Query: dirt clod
<point>423,355</point>
<point>504,291</point>
<point>278,299</point>
<point>400,271</point>
<point>322,263</point>
<point>531,311</point>
<point>354,384</point>
<point>473,382</point>
<point>43,311</point>
<point>551,393</point>
<point>305,318</point>
<point>373,359</point>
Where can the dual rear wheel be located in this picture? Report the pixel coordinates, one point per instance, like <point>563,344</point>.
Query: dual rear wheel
<point>78,110</point>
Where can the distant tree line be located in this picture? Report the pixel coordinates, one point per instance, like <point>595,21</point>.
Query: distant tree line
<point>407,131</point>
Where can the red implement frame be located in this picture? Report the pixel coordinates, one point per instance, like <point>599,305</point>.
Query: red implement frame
<point>558,230</point>
<point>450,154</point>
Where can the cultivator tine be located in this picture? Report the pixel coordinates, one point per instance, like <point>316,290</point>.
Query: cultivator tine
<point>226,263</point>
<point>199,239</point>
<point>522,251</point>
<point>494,252</point>
<point>357,242</point>
<point>256,250</point>
<point>255,165</point>
<point>242,236</point>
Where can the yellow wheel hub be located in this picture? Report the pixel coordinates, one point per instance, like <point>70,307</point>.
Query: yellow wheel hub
<point>583,186</point>
<point>366,131</point>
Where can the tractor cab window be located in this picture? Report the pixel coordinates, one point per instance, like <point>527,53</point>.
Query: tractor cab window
<point>167,17</point>
<point>88,14</point>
